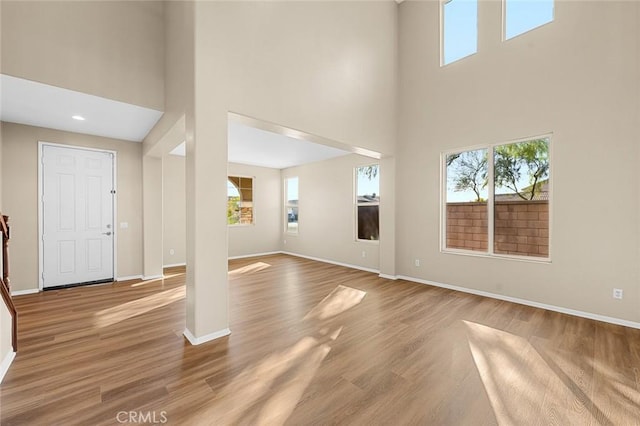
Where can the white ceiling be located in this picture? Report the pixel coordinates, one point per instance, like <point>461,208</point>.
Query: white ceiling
<point>36,104</point>
<point>256,147</point>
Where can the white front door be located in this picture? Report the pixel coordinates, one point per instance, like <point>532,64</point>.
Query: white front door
<point>77,216</point>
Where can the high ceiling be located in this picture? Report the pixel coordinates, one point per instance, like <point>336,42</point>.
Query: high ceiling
<point>37,104</point>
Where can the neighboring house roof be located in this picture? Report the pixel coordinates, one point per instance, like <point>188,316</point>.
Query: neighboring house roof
<point>368,198</point>
<point>542,193</point>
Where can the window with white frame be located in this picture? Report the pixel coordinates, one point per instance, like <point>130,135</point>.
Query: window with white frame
<point>521,16</point>
<point>239,200</point>
<point>368,202</point>
<point>459,29</point>
<point>291,205</point>
<point>496,199</point>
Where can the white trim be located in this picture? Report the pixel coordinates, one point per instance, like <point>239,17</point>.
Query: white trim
<point>129,278</point>
<point>173,265</point>
<point>582,314</point>
<point>244,256</point>
<point>114,214</point>
<point>388,277</point>
<point>23,292</point>
<point>152,277</point>
<point>317,259</point>
<point>206,338</point>
<point>528,259</point>
<point>6,363</point>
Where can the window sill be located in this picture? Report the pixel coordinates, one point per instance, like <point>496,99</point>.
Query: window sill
<point>527,259</point>
<point>374,242</point>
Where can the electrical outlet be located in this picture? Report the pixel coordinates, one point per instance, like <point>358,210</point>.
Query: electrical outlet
<point>285,241</point>
<point>417,262</point>
<point>172,252</point>
<point>617,293</point>
<point>364,253</point>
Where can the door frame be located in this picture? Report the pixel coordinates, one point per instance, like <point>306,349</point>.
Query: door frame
<point>41,146</point>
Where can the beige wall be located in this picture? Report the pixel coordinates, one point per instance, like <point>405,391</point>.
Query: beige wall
<point>335,78</point>
<point>264,235</point>
<point>327,215</point>
<point>564,78</point>
<point>20,197</point>
<point>113,49</point>
<point>173,210</point>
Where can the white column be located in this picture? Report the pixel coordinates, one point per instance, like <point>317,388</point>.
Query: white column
<point>206,177</point>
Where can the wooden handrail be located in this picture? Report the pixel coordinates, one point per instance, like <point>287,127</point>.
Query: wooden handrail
<point>4,280</point>
<point>4,227</point>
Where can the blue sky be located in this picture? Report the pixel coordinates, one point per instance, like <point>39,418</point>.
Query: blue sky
<point>461,23</point>
<point>292,188</point>
<point>525,15</point>
<point>460,29</point>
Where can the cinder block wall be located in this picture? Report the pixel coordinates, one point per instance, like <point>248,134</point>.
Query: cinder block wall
<point>521,227</point>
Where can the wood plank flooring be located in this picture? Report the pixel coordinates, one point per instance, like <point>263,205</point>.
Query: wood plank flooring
<point>312,344</point>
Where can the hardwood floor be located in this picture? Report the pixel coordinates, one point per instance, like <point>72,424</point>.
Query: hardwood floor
<point>314,343</point>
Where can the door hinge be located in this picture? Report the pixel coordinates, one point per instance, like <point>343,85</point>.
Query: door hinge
<point>113,191</point>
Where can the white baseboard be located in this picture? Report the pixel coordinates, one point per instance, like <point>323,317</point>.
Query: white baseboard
<point>206,338</point>
<point>244,256</point>
<point>582,314</point>
<point>388,277</point>
<point>23,292</point>
<point>152,277</point>
<point>173,265</point>
<point>347,265</point>
<point>129,278</point>
<point>6,363</point>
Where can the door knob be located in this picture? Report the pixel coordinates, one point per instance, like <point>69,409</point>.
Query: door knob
<point>106,233</point>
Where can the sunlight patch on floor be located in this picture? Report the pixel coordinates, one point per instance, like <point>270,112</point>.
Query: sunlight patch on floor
<point>116,314</point>
<point>341,299</point>
<point>267,392</point>
<point>522,387</point>
<point>250,269</point>
<point>254,387</point>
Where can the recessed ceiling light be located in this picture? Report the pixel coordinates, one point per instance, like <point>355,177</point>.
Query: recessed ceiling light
<point>78,117</point>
